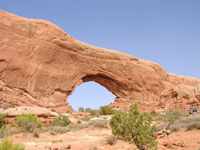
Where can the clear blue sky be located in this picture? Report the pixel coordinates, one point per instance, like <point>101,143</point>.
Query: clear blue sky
<point>163,31</point>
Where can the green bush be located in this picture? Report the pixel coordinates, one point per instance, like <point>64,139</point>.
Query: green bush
<point>61,121</point>
<point>134,127</point>
<point>53,110</point>
<point>5,131</point>
<point>7,144</point>
<point>172,115</point>
<point>8,105</point>
<point>111,140</point>
<point>28,122</point>
<point>36,132</point>
<point>95,112</point>
<point>106,110</point>
<point>2,119</point>
<point>92,112</point>
<point>188,123</point>
<point>81,109</point>
<point>85,118</point>
<point>69,112</point>
<point>79,121</point>
<point>153,113</point>
<point>88,109</point>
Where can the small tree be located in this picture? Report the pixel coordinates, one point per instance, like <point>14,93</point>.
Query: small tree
<point>106,110</point>
<point>171,116</point>
<point>153,113</point>
<point>93,112</point>
<point>61,121</point>
<point>28,122</point>
<point>81,109</point>
<point>134,127</point>
<point>88,109</point>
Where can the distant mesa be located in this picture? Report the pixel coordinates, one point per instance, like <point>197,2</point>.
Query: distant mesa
<point>41,65</point>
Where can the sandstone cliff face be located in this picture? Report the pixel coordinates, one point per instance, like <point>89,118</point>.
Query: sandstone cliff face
<point>41,65</point>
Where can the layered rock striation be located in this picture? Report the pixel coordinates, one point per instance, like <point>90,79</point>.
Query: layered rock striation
<point>41,65</point>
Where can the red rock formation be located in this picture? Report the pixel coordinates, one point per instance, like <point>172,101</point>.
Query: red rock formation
<point>41,65</point>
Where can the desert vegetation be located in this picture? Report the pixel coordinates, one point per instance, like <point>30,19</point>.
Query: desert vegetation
<point>28,122</point>
<point>8,105</point>
<point>132,126</point>
<point>7,144</point>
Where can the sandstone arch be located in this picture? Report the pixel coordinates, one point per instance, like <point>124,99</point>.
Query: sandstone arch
<point>112,86</point>
<point>41,65</point>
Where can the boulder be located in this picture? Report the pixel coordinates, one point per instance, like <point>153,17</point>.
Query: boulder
<point>44,115</point>
<point>39,111</point>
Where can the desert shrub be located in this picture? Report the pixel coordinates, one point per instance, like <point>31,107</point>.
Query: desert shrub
<point>88,109</point>
<point>7,144</point>
<point>61,121</point>
<point>106,110</point>
<point>78,127</point>
<point>53,110</point>
<point>153,113</point>
<point>2,119</point>
<point>160,127</point>
<point>36,132</point>
<point>81,109</point>
<point>56,129</point>
<point>98,123</point>
<point>68,112</point>
<point>8,105</point>
<point>175,128</point>
<point>79,121</point>
<point>188,123</point>
<point>93,112</point>
<point>193,125</point>
<point>85,118</point>
<point>28,122</point>
<point>5,131</point>
<point>134,127</point>
<point>111,140</point>
<point>189,120</point>
<point>172,115</point>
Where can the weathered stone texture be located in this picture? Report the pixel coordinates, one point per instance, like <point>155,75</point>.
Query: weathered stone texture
<point>41,65</point>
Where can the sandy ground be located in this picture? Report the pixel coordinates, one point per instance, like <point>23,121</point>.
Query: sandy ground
<point>90,139</point>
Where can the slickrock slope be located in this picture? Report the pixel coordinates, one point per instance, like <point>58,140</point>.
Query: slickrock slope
<point>41,65</point>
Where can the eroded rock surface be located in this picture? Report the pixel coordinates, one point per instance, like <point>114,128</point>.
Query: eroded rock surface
<point>41,65</point>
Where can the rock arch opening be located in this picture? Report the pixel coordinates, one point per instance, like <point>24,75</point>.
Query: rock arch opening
<point>90,94</point>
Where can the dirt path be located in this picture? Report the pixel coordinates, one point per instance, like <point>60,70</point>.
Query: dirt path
<point>92,138</point>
